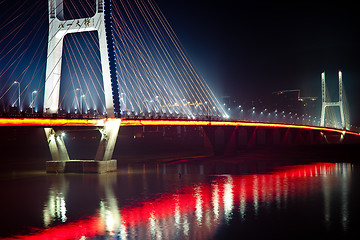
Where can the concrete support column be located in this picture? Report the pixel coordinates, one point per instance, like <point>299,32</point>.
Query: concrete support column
<point>309,140</point>
<point>56,145</point>
<point>276,136</point>
<point>221,139</point>
<point>103,161</point>
<point>108,140</point>
<point>242,137</point>
<point>261,137</point>
<point>299,139</point>
<point>253,139</point>
<point>287,138</point>
<point>231,145</point>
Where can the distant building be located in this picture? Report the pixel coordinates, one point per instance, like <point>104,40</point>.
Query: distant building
<point>226,101</point>
<point>287,100</point>
<point>291,101</point>
<point>310,105</point>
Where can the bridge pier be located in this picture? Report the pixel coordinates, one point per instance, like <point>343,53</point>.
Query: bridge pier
<point>61,161</point>
<point>220,140</point>
<point>107,143</point>
<point>56,145</point>
<point>227,140</point>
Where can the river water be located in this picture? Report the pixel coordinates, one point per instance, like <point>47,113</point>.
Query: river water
<point>189,199</point>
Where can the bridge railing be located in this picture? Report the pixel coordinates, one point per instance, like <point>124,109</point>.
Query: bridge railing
<point>133,116</point>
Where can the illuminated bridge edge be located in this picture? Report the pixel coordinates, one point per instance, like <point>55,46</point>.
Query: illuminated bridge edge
<point>49,122</point>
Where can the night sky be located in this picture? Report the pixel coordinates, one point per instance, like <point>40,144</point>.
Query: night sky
<point>252,49</point>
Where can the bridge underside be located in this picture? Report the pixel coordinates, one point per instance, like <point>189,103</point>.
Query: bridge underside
<point>219,137</point>
<point>102,162</point>
<point>228,140</point>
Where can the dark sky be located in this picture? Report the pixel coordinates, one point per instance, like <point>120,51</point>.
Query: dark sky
<point>251,48</point>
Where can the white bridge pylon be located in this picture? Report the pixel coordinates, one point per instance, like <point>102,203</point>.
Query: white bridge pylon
<point>326,104</point>
<point>58,28</point>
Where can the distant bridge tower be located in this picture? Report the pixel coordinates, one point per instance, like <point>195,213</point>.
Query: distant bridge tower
<point>326,104</point>
<point>58,28</point>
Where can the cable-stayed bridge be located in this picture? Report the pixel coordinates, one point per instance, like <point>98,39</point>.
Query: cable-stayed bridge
<point>118,63</point>
<point>119,59</point>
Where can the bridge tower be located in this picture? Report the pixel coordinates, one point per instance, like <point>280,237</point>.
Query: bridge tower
<point>326,104</point>
<point>58,28</point>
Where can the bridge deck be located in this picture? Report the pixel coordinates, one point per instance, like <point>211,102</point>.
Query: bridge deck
<point>58,122</point>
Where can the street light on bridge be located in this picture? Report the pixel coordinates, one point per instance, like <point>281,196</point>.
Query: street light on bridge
<point>77,98</point>
<point>82,99</point>
<point>32,101</point>
<point>16,82</point>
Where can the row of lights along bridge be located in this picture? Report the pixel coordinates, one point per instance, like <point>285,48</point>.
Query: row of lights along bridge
<point>236,113</point>
<point>250,114</point>
<point>247,115</point>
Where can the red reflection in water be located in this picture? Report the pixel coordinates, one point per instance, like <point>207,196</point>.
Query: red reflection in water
<point>218,196</point>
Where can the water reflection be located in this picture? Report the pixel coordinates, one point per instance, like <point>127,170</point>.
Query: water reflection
<point>55,207</point>
<point>345,171</point>
<point>192,211</point>
<point>228,198</point>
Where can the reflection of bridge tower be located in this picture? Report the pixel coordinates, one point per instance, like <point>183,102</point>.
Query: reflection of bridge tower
<point>326,104</point>
<point>58,28</point>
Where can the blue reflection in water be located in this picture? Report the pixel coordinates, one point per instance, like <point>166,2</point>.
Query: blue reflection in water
<point>192,206</point>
